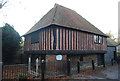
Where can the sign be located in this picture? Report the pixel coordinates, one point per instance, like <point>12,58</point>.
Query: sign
<point>58,57</point>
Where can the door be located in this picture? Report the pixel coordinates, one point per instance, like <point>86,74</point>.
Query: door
<point>100,59</point>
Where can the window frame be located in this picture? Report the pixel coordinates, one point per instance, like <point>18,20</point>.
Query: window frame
<point>95,39</point>
<point>98,39</point>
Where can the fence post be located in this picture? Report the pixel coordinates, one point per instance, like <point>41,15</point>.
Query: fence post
<point>103,61</point>
<point>112,62</point>
<point>93,66</point>
<point>78,65</point>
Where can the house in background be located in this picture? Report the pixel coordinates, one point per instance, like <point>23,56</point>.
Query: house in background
<point>118,48</point>
<point>63,42</point>
<point>111,50</point>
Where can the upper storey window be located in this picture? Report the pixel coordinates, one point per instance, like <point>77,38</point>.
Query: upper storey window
<point>98,39</point>
<point>34,38</point>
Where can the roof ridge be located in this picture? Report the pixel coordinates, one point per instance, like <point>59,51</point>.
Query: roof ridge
<point>55,6</point>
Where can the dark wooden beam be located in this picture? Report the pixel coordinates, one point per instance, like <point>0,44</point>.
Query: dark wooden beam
<point>78,66</point>
<point>103,60</point>
<point>54,35</point>
<point>93,66</point>
<point>68,65</point>
<point>69,52</point>
<point>43,67</point>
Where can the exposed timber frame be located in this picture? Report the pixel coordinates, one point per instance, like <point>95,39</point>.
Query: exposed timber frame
<point>79,52</point>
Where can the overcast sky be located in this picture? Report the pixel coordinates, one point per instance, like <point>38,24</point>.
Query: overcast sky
<point>23,14</point>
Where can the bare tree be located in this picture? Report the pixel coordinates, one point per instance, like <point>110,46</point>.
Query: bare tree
<point>2,3</point>
<point>111,35</point>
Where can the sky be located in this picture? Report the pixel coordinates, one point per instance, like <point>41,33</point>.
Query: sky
<point>23,14</point>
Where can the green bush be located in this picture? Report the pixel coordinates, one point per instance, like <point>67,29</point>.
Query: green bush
<point>118,54</point>
<point>21,76</point>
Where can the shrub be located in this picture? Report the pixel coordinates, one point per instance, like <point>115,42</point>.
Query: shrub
<point>21,76</point>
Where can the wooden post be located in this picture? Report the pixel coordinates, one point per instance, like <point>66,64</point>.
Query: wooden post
<point>68,66</point>
<point>93,66</point>
<point>78,65</point>
<point>42,67</point>
<point>103,61</point>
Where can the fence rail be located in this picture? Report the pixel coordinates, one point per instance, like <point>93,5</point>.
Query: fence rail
<point>16,71</point>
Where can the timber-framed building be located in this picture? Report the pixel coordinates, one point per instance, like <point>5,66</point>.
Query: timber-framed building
<point>63,42</point>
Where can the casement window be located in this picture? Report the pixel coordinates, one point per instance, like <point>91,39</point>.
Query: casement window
<point>95,38</point>
<point>98,39</point>
<point>35,38</point>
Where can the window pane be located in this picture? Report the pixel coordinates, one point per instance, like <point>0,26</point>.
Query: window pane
<point>34,38</point>
<point>95,38</point>
<point>100,39</point>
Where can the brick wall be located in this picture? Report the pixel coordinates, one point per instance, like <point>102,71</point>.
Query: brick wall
<point>59,67</point>
<point>87,61</point>
<point>56,67</point>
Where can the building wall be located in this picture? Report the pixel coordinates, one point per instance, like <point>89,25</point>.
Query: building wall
<point>56,67</point>
<point>87,61</point>
<point>110,54</point>
<point>60,38</point>
<point>59,67</point>
<point>118,48</point>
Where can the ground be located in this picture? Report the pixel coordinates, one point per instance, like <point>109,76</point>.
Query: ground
<point>109,72</point>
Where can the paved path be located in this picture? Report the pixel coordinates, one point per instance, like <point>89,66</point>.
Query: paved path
<point>109,72</point>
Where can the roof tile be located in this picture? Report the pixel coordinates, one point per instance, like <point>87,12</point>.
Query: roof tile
<point>63,16</point>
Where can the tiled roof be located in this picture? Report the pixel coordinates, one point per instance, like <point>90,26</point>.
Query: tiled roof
<point>111,42</point>
<point>63,16</point>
